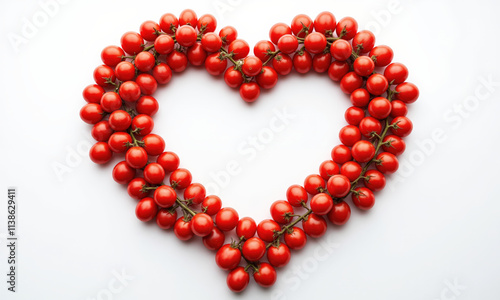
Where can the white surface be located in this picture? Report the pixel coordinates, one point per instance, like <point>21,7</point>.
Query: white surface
<point>437,221</point>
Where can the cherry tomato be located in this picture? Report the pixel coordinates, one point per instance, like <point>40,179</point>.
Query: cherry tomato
<point>363,66</point>
<point>253,249</point>
<point>340,213</point>
<point>164,44</point>
<point>196,54</point>
<point>136,157</point>
<point>214,240</point>
<point>246,228</point>
<point>337,70</point>
<point>379,108</point>
<point>123,173</point>
<point>103,74</point>
<point>328,168</point>
<point>321,204</point>
<point>227,219</point>
<point>168,23</point>
<point>215,65</point>
<point>91,113</point>
<point>374,180</point>
<point>146,209</point>
<point>100,153</point>
<point>353,115</point>
<point>233,78</point>
<point>228,35</point>
<point>363,41</point>
<point>279,256</point>
<point>266,230</point>
<point>283,64</point>
<point>165,196</point>
<point>302,62</point>
<point>281,211</point>
<point>296,239</point>
<point>262,49</point>
<point>398,108</point>
<point>341,50</point>
<point>211,205</point>
<point>118,142</point>
<point>315,42</point>
<point>301,25</point>
<point>112,55</point>
<point>144,61</point>
<point>314,184</point>
<point>125,71</point>
<point>277,31</point>
<point>120,120</point>
<point>267,78</point>
<point>349,135</point>
<point>132,42</point>
<point>396,73</point>
<point>351,169</point>
<point>110,102</point>
<point>211,42</point>
<point>341,154</point>
<point>350,82</point>
<point>325,23</point>
<point>266,275</point>
<point>238,279</point>
<point>321,62</point>
<point>165,218</point>
<point>188,17</point>
<point>387,163</point>
<point>93,93</point>
<point>154,173</point>
<point>202,224</point>
<point>370,125</point>
<point>186,36</point>
<point>251,66</point>
<point>363,198</point>
<point>314,226</point>
<point>288,43</point>
<point>407,92</point>
<point>148,30</point>
<point>153,144</point>
<point>180,179</point>
<point>207,23</point>
<point>130,91</point>
<point>338,186</point>
<point>377,84</point>
<point>169,161</point>
<point>393,144</point>
<point>382,55</point>
<point>135,188</point>
<point>101,131</point>
<point>195,193</point>
<point>363,151</point>
<point>228,258</point>
<point>240,49</point>
<point>347,27</point>
<point>177,61</point>
<point>182,229</point>
<point>360,97</point>
<point>402,126</point>
<point>296,195</point>
<point>147,83</point>
<point>249,91</point>
<point>142,124</point>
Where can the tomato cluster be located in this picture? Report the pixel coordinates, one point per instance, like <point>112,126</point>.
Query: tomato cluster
<point>120,108</point>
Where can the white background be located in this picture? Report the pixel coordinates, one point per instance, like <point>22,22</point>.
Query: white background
<point>433,233</point>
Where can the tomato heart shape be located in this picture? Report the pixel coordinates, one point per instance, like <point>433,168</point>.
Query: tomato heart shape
<point>120,107</point>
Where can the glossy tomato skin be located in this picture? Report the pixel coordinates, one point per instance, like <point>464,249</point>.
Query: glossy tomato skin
<point>238,279</point>
<point>266,230</point>
<point>266,275</point>
<point>314,226</point>
<point>227,257</point>
<point>253,249</point>
<point>340,213</point>
<point>279,256</point>
<point>146,209</point>
<point>214,240</point>
<point>296,239</point>
<point>246,228</point>
<point>227,219</point>
<point>182,229</point>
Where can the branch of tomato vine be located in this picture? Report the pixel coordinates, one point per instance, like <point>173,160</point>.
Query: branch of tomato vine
<point>277,235</point>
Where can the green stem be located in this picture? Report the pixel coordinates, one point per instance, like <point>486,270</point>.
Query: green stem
<point>185,207</point>
<point>285,228</point>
